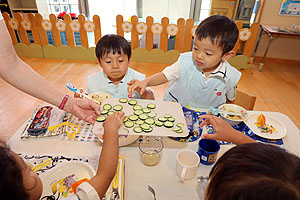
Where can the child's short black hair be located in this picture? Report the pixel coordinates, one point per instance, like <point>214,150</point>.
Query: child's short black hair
<point>220,30</point>
<point>255,171</point>
<point>114,43</point>
<point>11,179</point>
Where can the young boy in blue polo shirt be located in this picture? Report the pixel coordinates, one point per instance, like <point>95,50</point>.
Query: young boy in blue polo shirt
<point>203,77</point>
<point>113,53</point>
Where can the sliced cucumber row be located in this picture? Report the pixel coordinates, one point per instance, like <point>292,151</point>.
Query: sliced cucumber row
<point>132,102</point>
<point>142,119</point>
<point>101,118</point>
<point>118,107</point>
<point>123,100</point>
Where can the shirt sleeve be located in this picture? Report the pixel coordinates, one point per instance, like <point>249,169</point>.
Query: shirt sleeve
<point>86,191</point>
<point>1,17</point>
<point>172,72</point>
<point>231,94</point>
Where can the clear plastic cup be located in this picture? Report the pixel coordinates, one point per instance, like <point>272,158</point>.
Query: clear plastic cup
<point>150,150</point>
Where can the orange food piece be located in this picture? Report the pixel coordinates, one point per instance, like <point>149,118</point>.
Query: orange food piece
<point>76,184</point>
<point>261,120</point>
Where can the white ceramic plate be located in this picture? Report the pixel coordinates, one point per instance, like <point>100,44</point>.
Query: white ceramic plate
<point>80,169</point>
<point>279,126</point>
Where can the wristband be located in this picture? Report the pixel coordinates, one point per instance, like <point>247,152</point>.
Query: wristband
<point>64,101</point>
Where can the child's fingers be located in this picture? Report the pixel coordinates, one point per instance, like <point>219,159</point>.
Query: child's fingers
<point>204,122</point>
<point>208,136</point>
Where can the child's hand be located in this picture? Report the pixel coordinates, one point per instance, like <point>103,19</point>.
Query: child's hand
<point>139,86</point>
<point>222,130</point>
<point>114,122</point>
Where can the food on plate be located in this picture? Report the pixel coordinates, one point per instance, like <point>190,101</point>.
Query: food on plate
<point>98,97</point>
<point>261,124</point>
<point>233,117</point>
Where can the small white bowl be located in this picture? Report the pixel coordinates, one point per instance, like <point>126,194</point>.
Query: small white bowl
<point>233,120</point>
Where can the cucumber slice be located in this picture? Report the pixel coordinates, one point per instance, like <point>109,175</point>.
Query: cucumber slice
<point>110,113</point>
<point>146,110</point>
<point>151,115</point>
<point>137,129</point>
<point>118,107</point>
<point>180,125</point>
<point>179,131</point>
<point>168,124</point>
<point>143,116</point>
<point>132,102</point>
<point>149,121</point>
<point>139,122</point>
<point>126,119</point>
<point>106,106</point>
<point>129,124</point>
<point>167,116</point>
<point>148,130</point>
<point>101,118</point>
<point>171,119</point>
<point>159,123</point>
<point>138,112</point>
<point>103,112</point>
<point>162,119</point>
<point>176,129</point>
<point>145,126</point>
<point>137,107</point>
<point>123,100</point>
<point>151,106</point>
<point>133,117</point>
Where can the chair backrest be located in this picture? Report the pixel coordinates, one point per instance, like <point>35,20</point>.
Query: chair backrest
<point>245,100</point>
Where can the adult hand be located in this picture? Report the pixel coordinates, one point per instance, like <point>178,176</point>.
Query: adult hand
<point>223,131</point>
<point>84,109</point>
<point>139,86</point>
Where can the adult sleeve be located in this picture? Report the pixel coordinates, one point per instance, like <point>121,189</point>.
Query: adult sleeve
<point>1,17</point>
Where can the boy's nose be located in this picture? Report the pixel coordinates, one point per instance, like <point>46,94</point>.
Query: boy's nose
<point>199,56</point>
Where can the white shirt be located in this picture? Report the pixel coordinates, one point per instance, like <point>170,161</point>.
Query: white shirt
<point>85,191</point>
<point>172,73</point>
<point>1,17</point>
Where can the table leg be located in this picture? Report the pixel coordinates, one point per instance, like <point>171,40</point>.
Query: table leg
<point>266,51</point>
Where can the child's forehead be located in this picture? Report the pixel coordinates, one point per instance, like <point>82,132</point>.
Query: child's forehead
<point>213,42</point>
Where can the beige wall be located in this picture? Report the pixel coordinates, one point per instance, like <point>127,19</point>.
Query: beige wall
<point>284,47</point>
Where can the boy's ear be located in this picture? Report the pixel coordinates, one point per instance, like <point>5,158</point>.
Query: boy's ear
<point>99,62</point>
<point>227,55</point>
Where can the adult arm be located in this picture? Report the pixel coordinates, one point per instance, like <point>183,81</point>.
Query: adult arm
<point>108,160</point>
<point>223,131</point>
<point>20,75</point>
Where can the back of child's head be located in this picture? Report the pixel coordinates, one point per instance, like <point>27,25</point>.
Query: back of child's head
<point>112,44</point>
<point>255,171</point>
<point>11,180</point>
<point>220,30</point>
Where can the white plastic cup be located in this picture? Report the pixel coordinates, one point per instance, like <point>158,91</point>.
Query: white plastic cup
<point>187,162</point>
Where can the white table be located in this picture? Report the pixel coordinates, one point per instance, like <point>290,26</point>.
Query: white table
<point>161,177</point>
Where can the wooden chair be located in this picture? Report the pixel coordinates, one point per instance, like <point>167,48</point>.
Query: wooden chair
<point>245,100</point>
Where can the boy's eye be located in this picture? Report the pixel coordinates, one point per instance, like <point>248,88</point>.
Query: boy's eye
<point>121,60</point>
<point>108,61</point>
<point>209,54</point>
<point>195,48</point>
